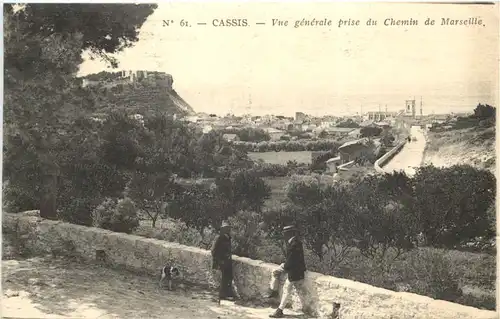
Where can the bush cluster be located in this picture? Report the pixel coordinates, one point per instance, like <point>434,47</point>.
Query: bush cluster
<point>262,169</point>
<point>249,134</point>
<point>443,208</point>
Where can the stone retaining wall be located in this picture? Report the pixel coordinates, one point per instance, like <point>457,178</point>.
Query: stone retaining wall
<point>388,156</point>
<point>141,254</point>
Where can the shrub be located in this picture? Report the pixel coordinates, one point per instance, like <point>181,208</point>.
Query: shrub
<point>483,301</point>
<point>379,221</point>
<point>319,162</point>
<point>78,211</point>
<point>431,273</point>
<point>288,146</point>
<point>270,170</point>
<point>19,199</point>
<point>116,215</point>
<point>452,204</point>
<point>177,232</point>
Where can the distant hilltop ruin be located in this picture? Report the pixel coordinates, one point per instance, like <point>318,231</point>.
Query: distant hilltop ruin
<point>137,91</point>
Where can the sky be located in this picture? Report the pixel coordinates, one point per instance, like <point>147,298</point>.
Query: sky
<point>261,69</point>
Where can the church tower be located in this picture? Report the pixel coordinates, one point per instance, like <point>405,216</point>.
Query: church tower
<point>410,109</point>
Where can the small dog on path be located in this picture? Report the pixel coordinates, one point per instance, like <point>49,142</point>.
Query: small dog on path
<point>169,274</point>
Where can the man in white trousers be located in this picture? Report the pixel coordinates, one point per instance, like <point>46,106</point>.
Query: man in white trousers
<point>295,267</point>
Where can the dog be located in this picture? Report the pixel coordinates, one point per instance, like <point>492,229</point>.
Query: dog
<point>169,274</point>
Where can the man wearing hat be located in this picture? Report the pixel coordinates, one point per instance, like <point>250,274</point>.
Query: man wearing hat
<point>222,261</point>
<point>295,267</point>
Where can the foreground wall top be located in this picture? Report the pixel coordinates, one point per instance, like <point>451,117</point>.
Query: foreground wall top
<point>357,300</point>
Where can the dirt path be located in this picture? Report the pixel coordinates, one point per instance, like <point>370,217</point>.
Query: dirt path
<point>56,288</point>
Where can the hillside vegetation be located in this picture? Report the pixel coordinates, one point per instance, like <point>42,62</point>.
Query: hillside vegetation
<point>470,141</point>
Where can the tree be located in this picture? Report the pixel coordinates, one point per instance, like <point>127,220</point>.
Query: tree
<point>324,215</point>
<point>43,44</point>
<point>484,111</point>
<point>249,191</point>
<point>105,28</point>
<point>368,131</point>
<point>319,162</point>
<point>198,207</point>
<point>387,139</point>
<point>323,134</point>
<point>349,123</point>
<point>249,134</point>
<point>303,191</point>
<point>164,149</point>
<point>151,192</point>
<point>248,233</point>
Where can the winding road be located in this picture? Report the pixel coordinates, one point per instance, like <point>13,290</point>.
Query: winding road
<point>410,156</point>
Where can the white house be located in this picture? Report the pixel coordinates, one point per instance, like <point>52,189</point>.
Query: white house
<point>207,129</point>
<point>230,137</point>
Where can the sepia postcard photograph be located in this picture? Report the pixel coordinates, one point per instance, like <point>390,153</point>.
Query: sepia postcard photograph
<point>250,160</point>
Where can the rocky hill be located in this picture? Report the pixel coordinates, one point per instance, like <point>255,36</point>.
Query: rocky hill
<point>474,146</point>
<point>136,92</point>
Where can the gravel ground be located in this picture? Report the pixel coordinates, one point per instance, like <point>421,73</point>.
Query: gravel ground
<point>48,287</point>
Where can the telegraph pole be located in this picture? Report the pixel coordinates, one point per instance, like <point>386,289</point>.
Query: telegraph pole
<point>421,107</point>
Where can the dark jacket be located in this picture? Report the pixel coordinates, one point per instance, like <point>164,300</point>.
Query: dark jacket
<point>221,251</point>
<point>295,264</point>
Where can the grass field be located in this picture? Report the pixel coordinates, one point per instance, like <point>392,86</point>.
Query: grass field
<point>282,157</point>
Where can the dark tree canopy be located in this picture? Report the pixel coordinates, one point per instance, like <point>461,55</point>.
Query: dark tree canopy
<point>484,111</point>
<point>105,28</point>
<point>43,105</point>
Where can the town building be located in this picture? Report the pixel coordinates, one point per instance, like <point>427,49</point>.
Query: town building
<point>299,116</point>
<point>207,129</point>
<point>356,150</point>
<point>356,133</point>
<point>231,137</point>
<point>367,123</point>
<point>380,116</point>
<point>275,134</point>
<point>338,131</point>
<point>332,164</point>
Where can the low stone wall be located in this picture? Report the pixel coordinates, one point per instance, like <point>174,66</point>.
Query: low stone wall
<point>252,277</point>
<point>388,156</point>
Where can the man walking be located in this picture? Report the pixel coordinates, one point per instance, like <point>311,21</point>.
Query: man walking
<point>295,267</point>
<point>222,262</point>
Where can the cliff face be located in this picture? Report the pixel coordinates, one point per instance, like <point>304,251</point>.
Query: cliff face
<point>137,91</point>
